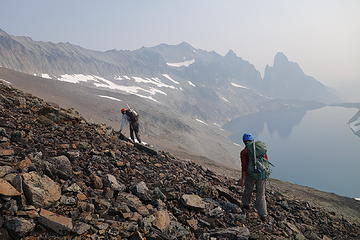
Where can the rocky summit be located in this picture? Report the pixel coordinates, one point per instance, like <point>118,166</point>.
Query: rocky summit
<point>62,177</point>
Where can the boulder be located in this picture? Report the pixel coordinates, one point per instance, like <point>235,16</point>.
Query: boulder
<point>162,220</point>
<point>141,191</point>
<point>59,224</point>
<point>5,170</point>
<point>193,201</point>
<point>7,189</point>
<point>110,181</point>
<point>40,191</point>
<point>19,226</point>
<point>60,166</point>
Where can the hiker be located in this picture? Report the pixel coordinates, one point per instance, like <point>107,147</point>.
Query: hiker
<point>131,116</point>
<point>254,173</point>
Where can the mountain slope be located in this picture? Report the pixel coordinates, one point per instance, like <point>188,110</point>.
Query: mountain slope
<point>62,177</point>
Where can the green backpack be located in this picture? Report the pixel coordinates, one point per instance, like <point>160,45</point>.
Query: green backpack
<point>258,167</point>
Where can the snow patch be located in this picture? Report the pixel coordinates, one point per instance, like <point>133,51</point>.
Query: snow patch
<point>191,84</point>
<point>239,86</point>
<point>168,77</point>
<point>118,78</point>
<point>355,125</point>
<point>156,83</point>
<point>201,121</point>
<point>225,99</point>
<point>76,78</point>
<point>126,77</point>
<point>45,75</point>
<point>358,199</point>
<point>182,64</point>
<point>219,126</point>
<point>237,144</point>
<point>111,98</point>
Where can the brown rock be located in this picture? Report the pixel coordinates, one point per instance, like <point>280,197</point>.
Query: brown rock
<point>40,191</point>
<point>60,224</point>
<point>4,170</point>
<point>98,184</point>
<point>120,164</point>
<point>24,164</point>
<point>6,152</point>
<point>81,228</point>
<point>193,223</point>
<point>30,213</point>
<point>81,197</point>
<point>7,189</point>
<point>162,220</point>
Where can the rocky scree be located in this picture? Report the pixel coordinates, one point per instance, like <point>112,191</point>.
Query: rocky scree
<point>64,178</point>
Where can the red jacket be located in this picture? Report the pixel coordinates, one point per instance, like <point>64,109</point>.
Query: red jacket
<point>245,160</point>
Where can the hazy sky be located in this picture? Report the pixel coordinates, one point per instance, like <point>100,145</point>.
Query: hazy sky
<point>323,36</point>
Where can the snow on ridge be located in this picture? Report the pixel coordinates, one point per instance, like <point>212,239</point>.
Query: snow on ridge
<point>118,78</point>
<point>76,78</point>
<point>126,77</point>
<point>191,84</point>
<point>168,77</point>
<point>237,144</point>
<point>358,199</point>
<point>200,121</point>
<point>148,80</point>
<point>181,64</point>
<point>355,125</point>
<point>239,86</point>
<point>225,99</point>
<point>45,75</point>
<point>219,126</point>
<point>111,98</point>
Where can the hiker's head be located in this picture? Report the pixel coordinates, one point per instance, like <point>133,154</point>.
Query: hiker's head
<point>123,110</point>
<point>248,137</point>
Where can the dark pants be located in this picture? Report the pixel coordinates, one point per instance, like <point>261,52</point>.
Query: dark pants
<point>134,127</point>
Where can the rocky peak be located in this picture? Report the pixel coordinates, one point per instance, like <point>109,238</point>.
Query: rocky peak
<point>280,59</point>
<point>231,54</point>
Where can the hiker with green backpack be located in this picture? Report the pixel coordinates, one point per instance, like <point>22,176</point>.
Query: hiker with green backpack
<point>255,171</point>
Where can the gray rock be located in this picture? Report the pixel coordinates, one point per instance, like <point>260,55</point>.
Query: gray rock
<point>159,194</point>
<point>177,230</point>
<point>234,233</point>
<point>110,181</point>
<point>67,200</point>
<point>73,188</point>
<point>4,170</point>
<point>141,191</point>
<point>19,226</point>
<point>60,166</point>
<point>81,228</point>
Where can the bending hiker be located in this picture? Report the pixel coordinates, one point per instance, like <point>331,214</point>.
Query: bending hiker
<point>131,116</point>
<point>255,171</point>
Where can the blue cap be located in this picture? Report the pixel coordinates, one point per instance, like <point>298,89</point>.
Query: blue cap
<point>248,137</point>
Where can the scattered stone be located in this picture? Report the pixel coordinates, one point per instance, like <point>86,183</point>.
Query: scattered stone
<point>4,170</point>
<point>141,191</point>
<point>59,224</point>
<point>67,200</point>
<point>110,181</point>
<point>80,228</point>
<point>6,152</point>
<point>73,188</point>
<point>19,226</point>
<point>40,191</point>
<point>162,220</point>
<point>238,233</point>
<point>7,189</point>
<point>193,223</point>
<point>193,201</point>
<point>81,197</point>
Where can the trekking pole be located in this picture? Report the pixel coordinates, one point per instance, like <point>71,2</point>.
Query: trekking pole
<point>255,168</point>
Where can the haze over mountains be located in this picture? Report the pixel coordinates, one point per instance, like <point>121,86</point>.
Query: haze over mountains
<point>191,92</point>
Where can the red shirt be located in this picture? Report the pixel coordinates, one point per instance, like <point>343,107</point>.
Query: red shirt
<point>245,160</point>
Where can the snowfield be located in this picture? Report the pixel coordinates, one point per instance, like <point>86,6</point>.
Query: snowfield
<point>201,121</point>
<point>182,64</point>
<point>239,86</point>
<point>111,98</point>
<point>191,84</point>
<point>168,77</point>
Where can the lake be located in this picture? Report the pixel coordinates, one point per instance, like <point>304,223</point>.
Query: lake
<point>315,148</point>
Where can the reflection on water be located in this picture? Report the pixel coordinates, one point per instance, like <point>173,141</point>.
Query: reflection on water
<point>279,122</point>
<point>314,148</point>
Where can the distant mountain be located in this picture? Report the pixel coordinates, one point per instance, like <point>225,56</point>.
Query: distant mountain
<point>185,94</point>
<point>286,80</point>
